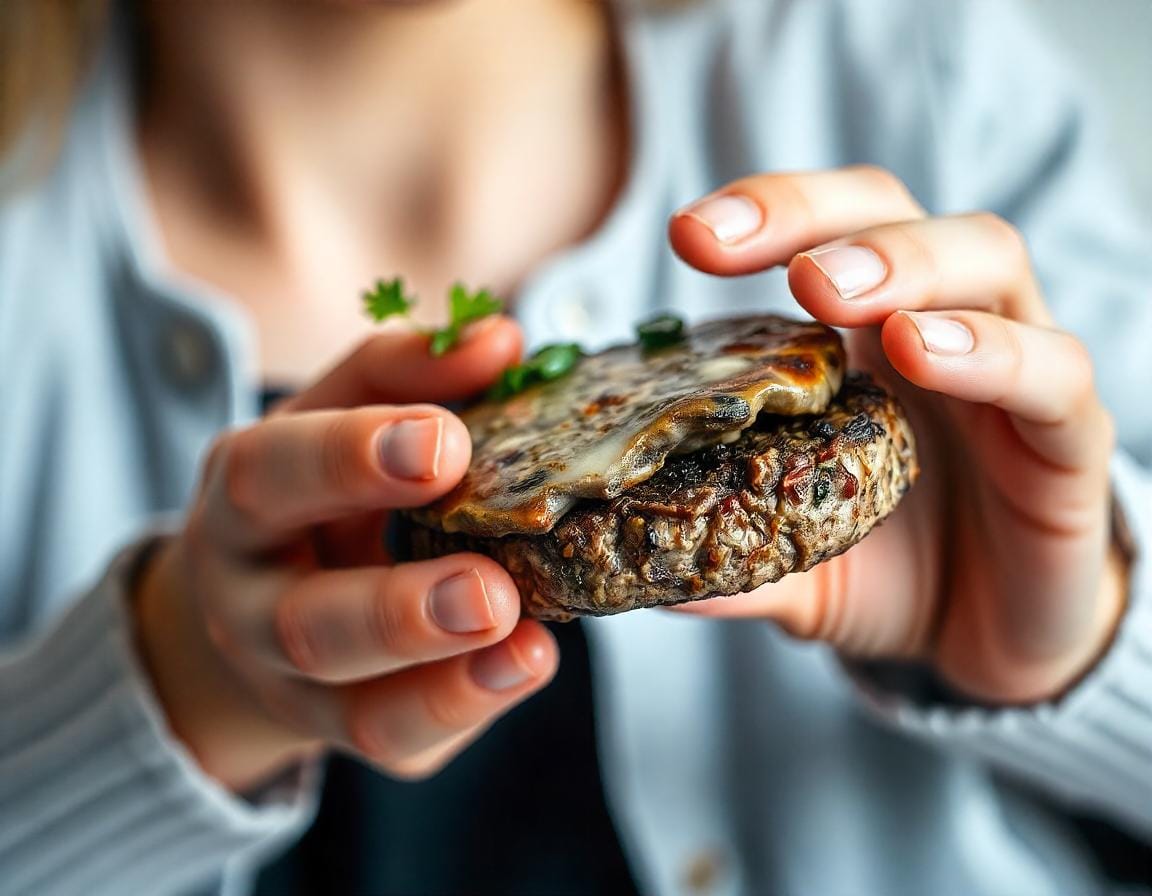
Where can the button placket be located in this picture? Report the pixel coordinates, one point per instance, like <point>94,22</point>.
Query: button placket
<point>187,354</point>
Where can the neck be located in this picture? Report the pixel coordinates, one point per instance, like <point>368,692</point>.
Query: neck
<point>301,124</point>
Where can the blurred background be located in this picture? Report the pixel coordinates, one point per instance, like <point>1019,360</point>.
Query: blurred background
<point>1111,41</point>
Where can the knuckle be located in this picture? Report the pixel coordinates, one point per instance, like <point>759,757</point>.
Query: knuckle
<point>1077,364</point>
<point>386,620</point>
<point>1013,377</point>
<point>241,480</point>
<point>883,181</point>
<point>292,632</point>
<point>1004,234</point>
<point>370,740</point>
<point>449,709</point>
<point>341,458</point>
<point>784,193</point>
<point>787,192</point>
<point>914,256</point>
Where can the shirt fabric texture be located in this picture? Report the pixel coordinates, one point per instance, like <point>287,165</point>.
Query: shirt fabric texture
<point>724,745</point>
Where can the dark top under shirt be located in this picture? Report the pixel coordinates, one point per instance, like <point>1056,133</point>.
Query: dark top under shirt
<point>520,812</point>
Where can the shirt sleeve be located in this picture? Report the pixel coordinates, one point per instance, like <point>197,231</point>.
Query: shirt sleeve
<point>1092,748</point>
<point>1016,133</point>
<point>96,796</point>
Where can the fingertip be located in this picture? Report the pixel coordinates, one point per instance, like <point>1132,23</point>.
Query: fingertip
<point>520,664</point>
<point>720,235</point>
<point>489,345</point>
<point>400,366</point>
<point>814,292</point>
<point>422,451</point>
<point>692,241</point>
<point>901,341</point>
<point>537,648</point>
<point>455,448</point>
<point>908,354</point>
<point>503,595</point>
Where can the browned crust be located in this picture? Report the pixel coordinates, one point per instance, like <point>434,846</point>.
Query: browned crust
<point>788,494</point>
<point>613,421</point>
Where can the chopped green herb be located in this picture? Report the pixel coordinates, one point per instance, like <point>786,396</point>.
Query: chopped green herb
<point>553,361</point>
<point>660,332</point>
<point>820,491</point>
<point>386,299</point>
<point>464,307</point>
<point>548,363</point>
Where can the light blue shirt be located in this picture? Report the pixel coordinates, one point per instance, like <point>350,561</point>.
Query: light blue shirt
<point>723,743</point>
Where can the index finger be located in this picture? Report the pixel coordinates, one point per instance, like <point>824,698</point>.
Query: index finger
<point>759,222</point>
<point>395,367</point>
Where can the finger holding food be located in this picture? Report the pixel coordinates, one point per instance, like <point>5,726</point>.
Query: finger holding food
<point>263,650</point>
<point>1000,570</point>
<point>727,458</point>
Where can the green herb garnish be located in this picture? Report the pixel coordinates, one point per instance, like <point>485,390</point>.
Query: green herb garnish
<point>548,363</point>
<point>464,307</point>
<point>660,332</point>
<point>386,299</point>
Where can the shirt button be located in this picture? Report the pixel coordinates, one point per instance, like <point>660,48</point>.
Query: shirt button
<point>188,354</point>
<point>573,315</point>
<point>703,872</point>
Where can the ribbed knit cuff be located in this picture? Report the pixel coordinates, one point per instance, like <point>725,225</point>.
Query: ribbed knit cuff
<point>95,795</point>
<point>1093,747</point>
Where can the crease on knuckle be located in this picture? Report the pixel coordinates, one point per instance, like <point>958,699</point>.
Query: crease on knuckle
<point>340,458</point>
<point>915,260</point>
<point>385,619</point>
<point>1012,377</point>
<point>241,462</point>
<point>291,621</point>
<point>370,739</point>
<point>450,709</point>
<point>783,195</point>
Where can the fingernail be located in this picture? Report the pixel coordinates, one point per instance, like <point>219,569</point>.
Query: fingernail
<point>499,668</point>
<point>730,218</point>
<point>410,449</point>
<point>460,604</point>
<point>853,270</point>
<point>943,335</point>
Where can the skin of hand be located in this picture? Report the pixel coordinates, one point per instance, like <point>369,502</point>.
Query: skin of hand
<point>998,568</point>
<point>274,625</point>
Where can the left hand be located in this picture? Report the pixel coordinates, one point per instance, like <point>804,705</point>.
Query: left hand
<point>997,568</point>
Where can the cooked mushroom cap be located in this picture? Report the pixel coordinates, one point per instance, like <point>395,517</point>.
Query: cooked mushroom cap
<point>614,420</point>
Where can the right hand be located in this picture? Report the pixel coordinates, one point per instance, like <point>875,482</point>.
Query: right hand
<point>274,625</point>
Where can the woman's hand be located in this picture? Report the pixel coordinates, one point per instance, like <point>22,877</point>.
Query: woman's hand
<point>275,625</point>
<point>997,567</point>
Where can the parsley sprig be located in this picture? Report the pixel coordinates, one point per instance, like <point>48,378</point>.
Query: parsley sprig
<point>387,299</point>
<point>463,308</point>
